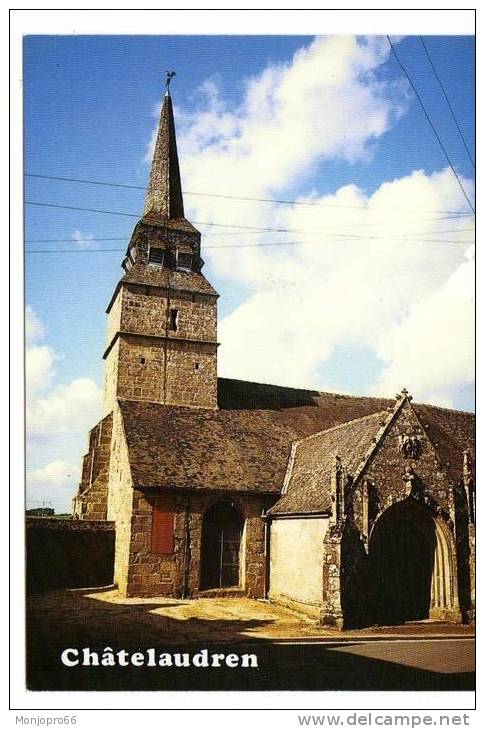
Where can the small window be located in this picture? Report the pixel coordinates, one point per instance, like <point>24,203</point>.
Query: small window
<point>162,530</point>
<point>156,256</point>
<point>173,323</point>
<point>184,261</point>
<point>196,365</point>
<point>142,360</point>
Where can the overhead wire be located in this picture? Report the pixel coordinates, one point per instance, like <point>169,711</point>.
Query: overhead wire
<point>393,50</point>
<point>260,229</point>
<point>305,203</point>
<point>447,100</point>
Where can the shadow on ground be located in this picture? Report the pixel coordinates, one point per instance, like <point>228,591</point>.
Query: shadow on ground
<point>78,619</point>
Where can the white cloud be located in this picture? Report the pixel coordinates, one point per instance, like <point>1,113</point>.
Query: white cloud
<point>34,328</point>
<point>392,291</point>
<point>357,266</point>
<point>39,369</point>
<point>71,408</point>
<point>433,347</point>
<point>58,418</point>
<point>326,104</point>
<point>85,241</point>
<point>55,473</point>
<point>39,359</point>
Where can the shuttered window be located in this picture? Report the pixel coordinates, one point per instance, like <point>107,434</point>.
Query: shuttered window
<point>184,261</point>
<point>156,256</point>
<point>162,530</point>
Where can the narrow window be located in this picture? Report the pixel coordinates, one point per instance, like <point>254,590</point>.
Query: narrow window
<point>184,261</point>
<point>156,256</point>
<point>196,366</point>
<point>162,530</point>
<point>142,360</point>
<point>173,324</point>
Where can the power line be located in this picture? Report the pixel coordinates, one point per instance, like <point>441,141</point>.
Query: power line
<point>220,225</point>
<point>431,124</point>
<point>136,215</point>
<point>234,197</point>
<point>447,100</point>
<point>254,245</point>
<point>98,240</point>
<point>336,238</point>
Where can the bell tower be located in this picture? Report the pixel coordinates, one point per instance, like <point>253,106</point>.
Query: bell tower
<point>162,318</point>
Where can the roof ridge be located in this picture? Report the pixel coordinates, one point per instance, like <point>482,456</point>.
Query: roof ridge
<point>306,389</point>
<point>443,409</point>
<point>341,425</point>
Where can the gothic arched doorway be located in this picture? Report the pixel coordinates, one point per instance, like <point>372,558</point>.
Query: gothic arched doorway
<point>221,547</point>
<point>412,566</point>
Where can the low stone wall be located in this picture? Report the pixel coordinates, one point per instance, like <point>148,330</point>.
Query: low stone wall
<point>68,553</point>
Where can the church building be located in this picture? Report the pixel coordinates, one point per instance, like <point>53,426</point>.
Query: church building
<point>352,510</point>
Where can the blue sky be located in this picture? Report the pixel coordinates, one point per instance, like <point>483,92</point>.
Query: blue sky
<point>328,121</point>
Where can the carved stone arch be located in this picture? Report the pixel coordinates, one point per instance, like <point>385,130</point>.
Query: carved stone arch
<point>413,565</point>
<point>444,587</point>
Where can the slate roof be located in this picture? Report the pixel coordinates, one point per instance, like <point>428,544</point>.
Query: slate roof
<point>451,432</point>
<point>309,485</point>
<point>308,488</point>
<point>164,195</point>
<point>165,278</point>
<point>243,446</point>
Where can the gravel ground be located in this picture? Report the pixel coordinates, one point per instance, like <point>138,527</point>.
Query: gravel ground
<point>104,616</point>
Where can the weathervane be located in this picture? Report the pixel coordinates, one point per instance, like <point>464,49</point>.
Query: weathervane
<point>169,76</point>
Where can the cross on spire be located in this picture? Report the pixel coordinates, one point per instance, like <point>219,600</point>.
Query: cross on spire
<point>404,394</point>
<point>168,77</point>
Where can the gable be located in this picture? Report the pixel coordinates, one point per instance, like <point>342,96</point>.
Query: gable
<point>379,447</point>
<point>308,485</point>
<point>405,445</point>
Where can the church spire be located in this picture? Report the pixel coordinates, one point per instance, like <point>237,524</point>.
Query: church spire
<point>164,197</point>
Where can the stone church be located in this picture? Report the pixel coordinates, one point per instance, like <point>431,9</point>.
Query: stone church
<point>352,510</point>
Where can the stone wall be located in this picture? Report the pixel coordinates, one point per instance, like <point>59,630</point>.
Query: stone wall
<point>163,371</point>
<point>296,559</point>
<point>91,501</point>
<point>113,323</point>
<point>191,375</point>
<point>178,574</point>
<point>68,553</point>
<point>120,501</point>
<point>159,360</point>
<point>386,468</point>
<point>111,378</point>
<point>144,311</point>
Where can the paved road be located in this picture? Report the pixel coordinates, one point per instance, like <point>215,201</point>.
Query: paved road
<point>439,655</point>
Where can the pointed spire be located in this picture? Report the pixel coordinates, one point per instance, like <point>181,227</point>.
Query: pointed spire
<point>164,197</point>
